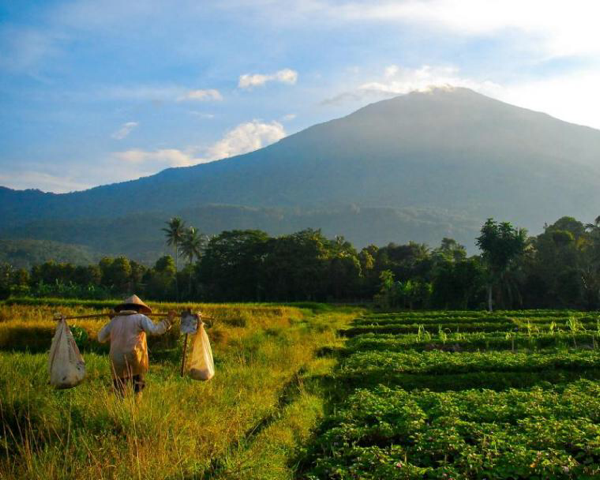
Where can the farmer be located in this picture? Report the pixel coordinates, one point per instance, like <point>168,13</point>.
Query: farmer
<point>128,349</point>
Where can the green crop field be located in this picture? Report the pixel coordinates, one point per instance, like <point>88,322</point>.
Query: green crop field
<point>463,395</point>
<point>310,391</point>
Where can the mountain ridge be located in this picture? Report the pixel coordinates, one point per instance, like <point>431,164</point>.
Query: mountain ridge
<point>449,151</point>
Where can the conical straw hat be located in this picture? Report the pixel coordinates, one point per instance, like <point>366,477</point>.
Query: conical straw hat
<point>134,300</point>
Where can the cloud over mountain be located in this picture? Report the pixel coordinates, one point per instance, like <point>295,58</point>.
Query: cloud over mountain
<point>245,137</point>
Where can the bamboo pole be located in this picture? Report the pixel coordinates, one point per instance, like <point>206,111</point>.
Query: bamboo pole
<point>58,316</point>
<point>107,314</point>
<point>185,343</point>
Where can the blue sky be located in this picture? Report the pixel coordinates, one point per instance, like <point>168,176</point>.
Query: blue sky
<point>95,92</point>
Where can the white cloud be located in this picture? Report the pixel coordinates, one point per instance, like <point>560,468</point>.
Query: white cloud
<point>136,163</point>
<point>555,27</point>
<point>244,138</point>
<point>391,71</point>
<point>560,28</point>
<point>202,95</point>
<point>125,130</point>
<point>398,81</point>
<point>167,156</point>
<point>202,114</point>
<point>289,117</point>
<point>160,93</point>
<point>286,75</point>
<point>43,181</point>
<point>572,97</point>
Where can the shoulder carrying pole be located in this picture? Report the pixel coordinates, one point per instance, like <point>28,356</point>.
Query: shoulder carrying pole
<point>185,342</point>
<point>58,316</point>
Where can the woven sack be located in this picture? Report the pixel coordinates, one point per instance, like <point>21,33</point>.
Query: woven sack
<point>201,365</point>
<point>66,365</point>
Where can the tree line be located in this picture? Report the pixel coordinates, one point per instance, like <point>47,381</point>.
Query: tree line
<point>559,268</point>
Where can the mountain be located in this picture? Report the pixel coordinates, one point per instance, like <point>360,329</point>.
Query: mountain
<point>453,155</point>
<point>24,253</point>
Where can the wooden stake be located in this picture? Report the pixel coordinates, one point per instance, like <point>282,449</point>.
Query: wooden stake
<point>185,342</point>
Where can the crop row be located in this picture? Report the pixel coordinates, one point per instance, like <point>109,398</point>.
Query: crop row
<point>588,321</point>
<point>430,320</point>
<point>483,314</point>
<point>458,342</point>
<point>429,314</point>
<point>466,327</point>
<point>391,433</point>
<point>417,327</point>
<point>443,363</point>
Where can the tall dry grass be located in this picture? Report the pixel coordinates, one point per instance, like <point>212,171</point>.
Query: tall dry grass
<point>245,423</point>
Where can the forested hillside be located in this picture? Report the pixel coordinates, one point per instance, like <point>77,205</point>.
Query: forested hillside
<point>417,167</point>
<point>26,253</point>
<point>559,268</point>
<point>138,236</point>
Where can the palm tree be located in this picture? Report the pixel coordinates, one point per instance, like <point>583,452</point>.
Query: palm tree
<point>175,233</point>
<point>191,244</point>
<point>191,247</point>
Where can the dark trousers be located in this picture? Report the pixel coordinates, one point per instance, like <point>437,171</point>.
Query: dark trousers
<point>136,381</point>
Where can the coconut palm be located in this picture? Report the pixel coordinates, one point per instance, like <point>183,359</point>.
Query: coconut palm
<point>191,247</point>
<point>192,244</point>
<point>175,232</point>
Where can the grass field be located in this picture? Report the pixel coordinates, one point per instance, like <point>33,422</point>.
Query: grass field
<point>248,422</point>
<point>311,391</point>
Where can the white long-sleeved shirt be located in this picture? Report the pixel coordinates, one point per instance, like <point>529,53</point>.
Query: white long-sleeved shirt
<point>128,346</point>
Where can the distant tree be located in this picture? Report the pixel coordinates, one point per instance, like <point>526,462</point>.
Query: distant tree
<point>296,266</point>
<point>6,278</point>
<point>386,296</point>
<point>192,244</point>
<point>367,257</point>
<point>590,265</point>
<point>450,250</point>
<point>370,276</point>
<point>232,265</point>
<point>501,244</point>
<point>555,251</point>
<point>120,271</point>
<point>51,272</point>
<point>88,275</point>
<point>456,283</point>
<point>160,280</point>
<point>21,277</point>
<point>345,275</point>
<point>105,272</point>
<point>116,274</point>
<point>166,264</point>
<point>175,233</point>
<point>562,268</point>
<point>569,224</point>
<point>136,278</point>
<point>407,262</point>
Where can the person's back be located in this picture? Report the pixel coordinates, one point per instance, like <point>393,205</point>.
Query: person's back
<point>128,347</point>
